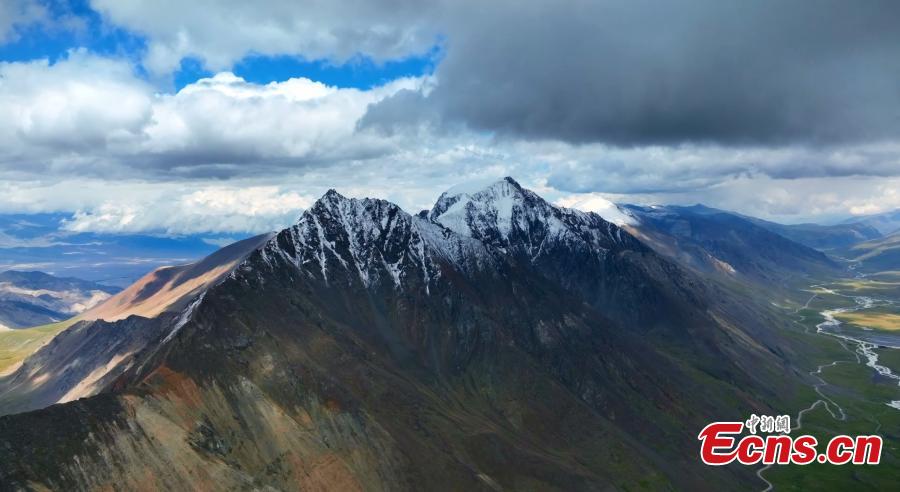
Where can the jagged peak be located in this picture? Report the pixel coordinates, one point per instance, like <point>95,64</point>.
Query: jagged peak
<point>371,239</point>
<point>507,183</point>
<point>332,195</point>
<point>375,238</point>
<point>503,194</point>
<point>483,187</point>
<point>335,205</point>
<point>497,202</point>
<point>332,198</point>
<point>504,214</point>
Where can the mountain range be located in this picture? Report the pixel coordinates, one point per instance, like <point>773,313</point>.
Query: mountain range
<point>35,298</point>
<point>885,223</point>
<point>495,341</point>
<point>714,241</point>
<point>43,242</point>
<point>875,255</point>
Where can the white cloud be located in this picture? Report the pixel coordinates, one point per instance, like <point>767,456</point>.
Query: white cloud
<point>690,168</point>
<point>817,199</point>
<point>83,102</point>
<point>209,209</point>
<point>89,115</point>
<point>222,32</point>
<point>224,155</point>
<point>225,119</point>
<point>413,180</point>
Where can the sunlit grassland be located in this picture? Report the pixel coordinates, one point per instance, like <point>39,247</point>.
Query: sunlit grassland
<point>872,318</point>
<point>16,345</point>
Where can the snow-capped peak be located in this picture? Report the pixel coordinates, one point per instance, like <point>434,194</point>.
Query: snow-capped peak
<point>371,239</point>
<point>340,240</point>
<point>495,203</point>
<point>504,215</point>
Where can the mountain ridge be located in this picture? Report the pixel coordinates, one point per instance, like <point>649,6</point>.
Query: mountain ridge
<point>379,347</point>
<point>727,244</point>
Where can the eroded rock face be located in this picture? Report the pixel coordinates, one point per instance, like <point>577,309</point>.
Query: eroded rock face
<point>495,342</point>
<point>79,362</point>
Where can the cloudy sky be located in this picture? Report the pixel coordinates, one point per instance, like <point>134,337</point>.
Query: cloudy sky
<point>226,116</point>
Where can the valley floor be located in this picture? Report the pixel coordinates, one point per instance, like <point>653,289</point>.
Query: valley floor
<point>851,333</point>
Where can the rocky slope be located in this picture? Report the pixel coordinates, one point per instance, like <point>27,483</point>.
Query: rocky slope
<point>104,340</point>
<point>494,342</point>
<point>168,288</point>
<point>729,245</point>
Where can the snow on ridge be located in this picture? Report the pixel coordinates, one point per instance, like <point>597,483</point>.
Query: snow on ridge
<point>471,187</point>
<point>495,203</point>
<point>506,215</point>
<point>376,241</point>
<point>371,239</point>
<point>184,317</point>
<point>606,209</point>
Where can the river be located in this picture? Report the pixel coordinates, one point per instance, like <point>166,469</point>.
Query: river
<point>861,343</point>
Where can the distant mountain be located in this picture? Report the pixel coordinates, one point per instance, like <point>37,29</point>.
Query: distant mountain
<point>493,342</point>
<point>886,223</point>
<point>715,241</point>
<point>877,255</point>
<point>36,298</point>
<point>38,242</point>
<point>822,237</point>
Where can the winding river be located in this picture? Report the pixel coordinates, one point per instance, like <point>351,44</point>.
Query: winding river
<point>865,341</point>
<point>859,343</point>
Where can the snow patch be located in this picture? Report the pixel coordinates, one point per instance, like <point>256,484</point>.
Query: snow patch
<point>504,215</point>
<point>601,206</point>
<point>184,318</point>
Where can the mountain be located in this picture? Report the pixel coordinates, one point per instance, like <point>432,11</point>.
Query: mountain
<point>822,237</point>
<point>877,255</point>
<point>103,341</point>
<point>493,342</point>
<point>886,223</point>
<point>580,251</point>
<point>36,298</point>
<point>713,241</point>
<point>167,288</point>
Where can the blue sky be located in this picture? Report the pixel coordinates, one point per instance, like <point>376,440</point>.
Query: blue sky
<point>360,73</point>
<point>91,32</point>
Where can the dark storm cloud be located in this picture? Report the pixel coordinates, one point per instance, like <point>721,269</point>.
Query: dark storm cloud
<point>581,96</point>
<point>639,72</point>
